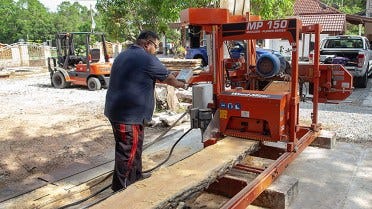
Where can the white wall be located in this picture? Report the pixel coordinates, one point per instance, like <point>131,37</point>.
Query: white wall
<point>236,7</point>
<point>275,44</point>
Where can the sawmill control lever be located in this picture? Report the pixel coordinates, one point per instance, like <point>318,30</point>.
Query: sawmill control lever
<point>200,118</point>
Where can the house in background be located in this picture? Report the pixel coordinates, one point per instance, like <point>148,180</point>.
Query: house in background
<point>314,11</point>
<point>332,20</point>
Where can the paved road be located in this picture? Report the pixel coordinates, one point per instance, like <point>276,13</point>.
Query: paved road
<point>350,120</point>
<point>362,96</point>
<point>340,178</point>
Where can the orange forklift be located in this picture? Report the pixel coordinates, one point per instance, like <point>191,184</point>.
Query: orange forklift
<point>78,62</point>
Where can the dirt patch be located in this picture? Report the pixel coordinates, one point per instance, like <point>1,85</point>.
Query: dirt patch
<point>44,129</point>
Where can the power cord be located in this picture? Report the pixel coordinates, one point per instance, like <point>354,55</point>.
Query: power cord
<point>160,137</point>
<point>146,171</point>
<point>170,153</point>
<point>92,195</point>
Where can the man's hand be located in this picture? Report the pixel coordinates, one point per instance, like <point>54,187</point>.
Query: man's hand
<point>185,86</point>
<point>171,80</point>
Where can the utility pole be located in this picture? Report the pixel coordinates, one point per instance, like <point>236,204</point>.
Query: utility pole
<point>93,2</point>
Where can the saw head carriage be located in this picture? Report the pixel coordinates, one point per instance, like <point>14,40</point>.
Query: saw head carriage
<point>256,94</point>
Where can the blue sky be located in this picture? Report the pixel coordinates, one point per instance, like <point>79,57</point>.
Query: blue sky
<point>52,4</point>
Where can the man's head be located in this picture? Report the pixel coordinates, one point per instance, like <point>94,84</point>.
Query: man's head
<point>149,41</point>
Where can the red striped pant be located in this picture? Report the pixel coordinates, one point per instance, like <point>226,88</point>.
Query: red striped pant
<point>128,154</point>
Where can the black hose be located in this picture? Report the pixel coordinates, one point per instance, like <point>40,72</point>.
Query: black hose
<point>85,199</point>
<point>160,137</point>
<point>90,196</point>
<point>146,171</point>
<point>100,200</point>
<point>169,155</point>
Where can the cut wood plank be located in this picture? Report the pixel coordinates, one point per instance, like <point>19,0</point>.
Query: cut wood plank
<point>168,186</point>
<point>178,64</point>
<point>278,86</point>
<point>64,191</point>
<point>4,74</point>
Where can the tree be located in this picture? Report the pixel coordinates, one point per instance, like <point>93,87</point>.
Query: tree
<point>272,9</point>
<point>124,19</point>
<point>33,21</point>
<point>30,20</point>
<point>72,17</point>
<point>349,7</point>
<point>120,19</point>
<point>8,12</point>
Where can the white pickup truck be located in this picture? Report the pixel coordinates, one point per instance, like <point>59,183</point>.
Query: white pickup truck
<point>353,52</point>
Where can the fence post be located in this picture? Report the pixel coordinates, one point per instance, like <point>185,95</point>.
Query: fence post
<point>25,58</point>
<point>16,56</point>
<point>47,53</point>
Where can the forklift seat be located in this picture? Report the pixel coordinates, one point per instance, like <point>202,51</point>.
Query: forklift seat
<point>95,55</point>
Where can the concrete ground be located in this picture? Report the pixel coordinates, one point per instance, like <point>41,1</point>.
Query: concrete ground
<point>340,178</point>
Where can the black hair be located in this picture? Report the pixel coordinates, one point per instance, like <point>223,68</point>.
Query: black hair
<point>146,35</point>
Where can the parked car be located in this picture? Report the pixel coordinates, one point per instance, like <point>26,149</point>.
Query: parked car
<point>351,51</point>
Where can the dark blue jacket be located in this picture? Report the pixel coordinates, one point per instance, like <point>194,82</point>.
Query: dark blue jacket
<point>130,95</point>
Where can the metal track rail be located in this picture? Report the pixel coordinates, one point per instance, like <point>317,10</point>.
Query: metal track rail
<point>253,189</point>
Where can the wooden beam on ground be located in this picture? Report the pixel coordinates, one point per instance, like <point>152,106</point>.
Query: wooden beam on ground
<point>63,192</point>
<point>171,185</point>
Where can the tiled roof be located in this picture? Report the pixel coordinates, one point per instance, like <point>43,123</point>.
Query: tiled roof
<point>329,22</point>
<point>305,7</point>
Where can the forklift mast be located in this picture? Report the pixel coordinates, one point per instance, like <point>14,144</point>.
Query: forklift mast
<point>75,47</point>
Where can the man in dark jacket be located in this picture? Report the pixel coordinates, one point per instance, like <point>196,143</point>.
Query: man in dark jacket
<point>130,103</point>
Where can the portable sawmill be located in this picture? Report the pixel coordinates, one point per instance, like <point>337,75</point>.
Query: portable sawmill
<point>253,97</point>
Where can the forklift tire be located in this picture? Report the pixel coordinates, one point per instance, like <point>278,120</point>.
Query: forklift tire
<point>94,84</point>
<point>59,80</point>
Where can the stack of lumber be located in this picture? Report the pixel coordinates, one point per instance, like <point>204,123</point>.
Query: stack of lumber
<point>178,64</point>
<point>4,73</point>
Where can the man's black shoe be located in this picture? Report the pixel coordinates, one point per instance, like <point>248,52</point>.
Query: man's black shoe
<point>145,176</point>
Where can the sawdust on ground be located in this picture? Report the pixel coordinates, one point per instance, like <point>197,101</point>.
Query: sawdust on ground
<point>44,129</point>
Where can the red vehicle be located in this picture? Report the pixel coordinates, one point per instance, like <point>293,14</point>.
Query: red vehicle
<point>78,63</point>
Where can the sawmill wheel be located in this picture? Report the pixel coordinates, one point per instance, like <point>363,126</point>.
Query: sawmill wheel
<point>94,84</point>
<point>59,80</point>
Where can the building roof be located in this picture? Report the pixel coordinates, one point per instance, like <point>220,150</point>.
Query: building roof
<point>314,11</point>
<point>331,23</point>
<point>305,7</point>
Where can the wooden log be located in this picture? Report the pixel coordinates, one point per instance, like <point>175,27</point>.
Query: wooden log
<point>171,185</point>
<point>178,64</point>
<point>166,98</point>
<point>4,74</point>
<point>172,100</point>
